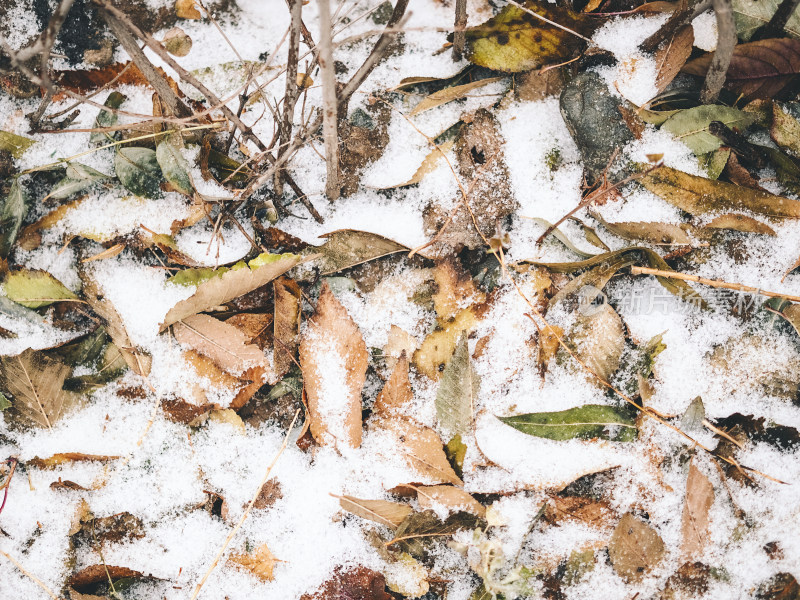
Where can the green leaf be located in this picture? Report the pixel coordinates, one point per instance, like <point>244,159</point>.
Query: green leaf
<point>14,210</point>
<point>692,419</point>
<point>106,118</point>
<point>516,41</point>
<point>35,288</point>
<point>14,144</point>
<point>4,402</point>
<point>458,391</point>
<point>456,451</point>
<point>749,15</point>
<point>714,162</point>
<point>691,125</point>
<point>174,166</point>
<point>112,367</point>
<point>582,422</point>
<point>78,178</point>
<point>785,128</point>
<point>138,170</point>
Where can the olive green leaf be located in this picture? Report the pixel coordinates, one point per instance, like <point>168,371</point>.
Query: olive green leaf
<point>13,213</point>
<point>174,166</point>
<point>749,15</point>
<point>77,178</point>
<point>458,391</point>
<point>138,170</point>
<point>35,288</point>
<point>14,144</point>
<point>582,422</point>
<point>690,126</point>
<point>106,118</point>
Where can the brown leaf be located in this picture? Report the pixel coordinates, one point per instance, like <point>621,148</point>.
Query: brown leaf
<point>397,391</point>
<point>138,361</point>
<point>185,9</point>
<point>67,485</point>
<point>738,222</point>
<point>758,69</point>
<point>635,548</point>
<point>653,233</point>
<point>358,583</point>
<point>224,344</point>
<point>594,513</point>
<point>223,288</point>
<point>429,164</point>
<point>101,573</point>
<point>255,327</point>
<point>64,458</point>
<point>449,94</point>
<point>398,343</point>
<point>387,513</point>
<point>35,381</point>
<point>671,57</point>
<point>181,411</point>
<point>696,518</point>
<point>269,494</point>
<point>453,498</point>
<point>260,563</point>
<point>334,360</point>
<point>421,447</point>
<point>455,290</point>
<point>288,300</point>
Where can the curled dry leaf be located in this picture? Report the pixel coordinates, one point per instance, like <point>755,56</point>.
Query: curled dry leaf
<point>396,393</point>
<point>741,223</point>
<point>334,360</point>
<point>288,299</point>
<point>100,574</point>
<point>635,548</point>
<point>454,498</point>
<point>260,563</point>
<point>696,519</point>
<point>65,458</point>
<point>387,513</point>
<point>653,233</point>
<point>226,284</point>
<point>34,382</point>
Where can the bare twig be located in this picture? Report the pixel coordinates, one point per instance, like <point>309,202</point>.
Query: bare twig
<point>459,35</point>
<point>737,287</point>
<point>43,44</point>
<point>737,142</point>
<point>30,575</point>
<point>726,42</point>
<point>246,513</point>
<point>330,112</point>
<point>292,89</point>
<point>778,21</point>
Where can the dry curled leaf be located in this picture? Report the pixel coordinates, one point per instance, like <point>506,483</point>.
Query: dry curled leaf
<point>65,458</point>
<point>449,94</point>
<point>671,57</point>
<point>334,359</point>
<point>695,521</point>
<point>387,513</point>
<point>429,164</point>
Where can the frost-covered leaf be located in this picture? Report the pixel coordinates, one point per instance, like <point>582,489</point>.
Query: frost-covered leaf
<point>219,286</point>
<point>260,563</point>
<point>690,126</point>
<point>177,42</point>
<point>15,207</point>
<point>334,360</point>
<point>174,166</point>
<point>455,289</point>
<point>434,353</point>
<point>35,289</point>
<point>14,144</point>
<point>692,419</point>
<point>112,366</point>
<point>672,56</point>
<point>653,233</point>
<point>347,248</point>
<point>758,69</point>
<point>429,164</point>
<point>448,95</point>
<point>106,118</point>
<point>750,15</point>
<point>743,223</point>
<point>598,339</point>
<point>454,498</point>
<point>696,520</point>
<point>515,41</point>
<point>396,393</point>
<point>138,170</point>
<point>77,178</point>
<point>387,513</point>
<point>699,196</point>
<point>635,548</point>
<point>420,529</point>
<point>458,392</point>
<point>34,383</point>
<point>582,422</point>
<point>186,9</point>
<point>785,127</point>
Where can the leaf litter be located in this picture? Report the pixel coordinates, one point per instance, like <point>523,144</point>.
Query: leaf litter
<point>485,414</point>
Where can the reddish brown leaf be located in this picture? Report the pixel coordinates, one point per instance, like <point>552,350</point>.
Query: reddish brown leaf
<point>63,458</point>
<point>758,69</point>
<point>397,391</point>
<point>359,583</point>
<point>671,57</point>
<point>100,573</point>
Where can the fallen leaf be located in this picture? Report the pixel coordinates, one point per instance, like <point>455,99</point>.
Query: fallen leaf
<point>260,563</point>
<point>421,528</point>
<point>229,416</point>
<point>757,69</point>
<point>173,165</point>
<point>590,512</point>
<point>635,548</point>
<point>106,118</point>
<point>65,458</point>
<point>185,9</point>
<point>429,164</point>
<point>561,237</point>
<point>698,195</point>
<point>356,583</point>
<point>100,574</point>
<point>286,327</point>
<point>347,248</point>
<point>109,252</point>
<point>455,290</point>
<point>398,343</point>
<point>436,350</point>
<point>138,170</point>
<point>449,94</point>
<point>397,392</point>
<point>458,392</point>
<point>34,382</point>
<point>590,421</point>
<point>334,360</point>
<point>454,498</point>
<point>671,57</point>
<point>15,208</point>
<point>269,494</point>
<point>67,485</point>
<point>35,289</point>
<point>390,514</point>
<point>598,339</point>
<point>741,223</point>
<point>696,520</point>
<point>77,178</point>
<point>653,233</point>
<point>750,15</point>
<point>14,144</point>
<point>223,285</point>
<point>690,126</point>
<point>177,42</point>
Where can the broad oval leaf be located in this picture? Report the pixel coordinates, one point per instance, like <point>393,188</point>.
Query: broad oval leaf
<point>598,338</point>
<point>138,170</point>
<point>106,118</point>
<point>750,15</point>
<point>174,166</point>
<point>690,126</point>
<point>35,289</point>
<point>635,548</point>
<point>582,422</point>
<point>14,144</point>
<point>449,94</point>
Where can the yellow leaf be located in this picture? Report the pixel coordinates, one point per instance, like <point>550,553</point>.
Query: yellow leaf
<point>260,563</point>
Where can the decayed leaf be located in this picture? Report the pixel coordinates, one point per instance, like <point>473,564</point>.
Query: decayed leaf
<point>224,344</point>
<point>15,207</point>
<point>106,118</point>
<point>582,422</point>
<point>177,42</point>
<point>458,392</point>
<point>454,498</point>
<point>173,164</point>
<point>138,170</point>
<point>226,284</point>
<point>358,583</point>
<point>138,361</point>
<point>421,447</point>
<point>455,290</point>
<point>35,289</point>
<point>347,248</point>
<point>387,513</point>
<point>750,15</point>
<point>785,128</point>
<point>398,343</point>
<point>397,391</point>
<point>334,359</point>
<point>101,574</point>
<point>758,69</point>
<point>421,528</point>
<point>698,195</point>
<point>286,326</point>
<point>34,382</point>
<point>429,164</point>
<point>635,548</point>
<point>515,41</point>
<point>436,350</point>
<point>742,223</point>
<point>449,94</point>
<point>598,339</point>
<point>695,521</point>
<point>690,126</point>
<point>671,57</point>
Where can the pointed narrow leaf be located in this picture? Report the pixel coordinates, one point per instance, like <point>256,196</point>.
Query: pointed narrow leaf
<point>13,213</point>
<point>14,144</point>
<point>582,422</point>
<point>690,126</point>
<point>458,391</point>
<point>106,118</point>
<point>78,178</point>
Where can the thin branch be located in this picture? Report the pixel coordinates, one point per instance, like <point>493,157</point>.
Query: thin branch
<point>30,575</point>
<point>330,112</point>
<point>778,21</point>
<point>459,35</point>
<point>737,142</point>
<point>726,42</point>
<point>292,89</point>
